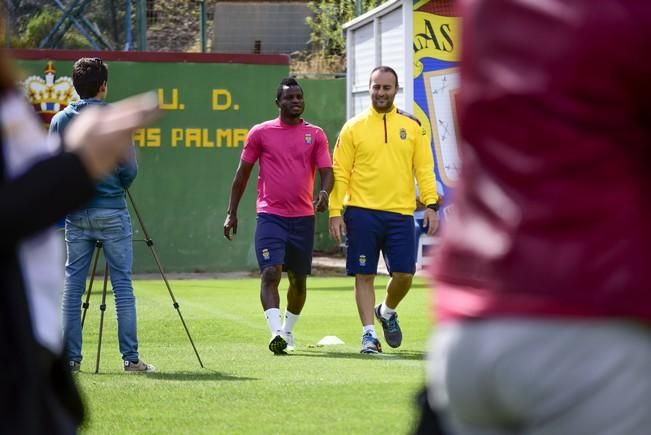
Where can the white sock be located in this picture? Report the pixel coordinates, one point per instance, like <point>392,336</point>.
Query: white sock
<point>289,321</point>
<point>371,329</point>
<point>273,320</point>
<point>386,312</point>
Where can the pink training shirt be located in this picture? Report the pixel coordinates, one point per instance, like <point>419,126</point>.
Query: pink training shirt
<point>289,156</point>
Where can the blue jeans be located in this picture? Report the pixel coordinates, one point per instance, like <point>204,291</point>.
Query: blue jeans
<point>112,227</point>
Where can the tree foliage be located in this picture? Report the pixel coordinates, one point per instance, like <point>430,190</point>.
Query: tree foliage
<point>39,25</point>
<point>171,24</point>
<point>31,20</point>
<point>327,36</point>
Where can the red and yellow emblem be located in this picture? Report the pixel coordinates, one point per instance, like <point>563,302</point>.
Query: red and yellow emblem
<point>49,94</point>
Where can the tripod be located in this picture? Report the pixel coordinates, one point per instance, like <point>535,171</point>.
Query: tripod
<point>149,242</point>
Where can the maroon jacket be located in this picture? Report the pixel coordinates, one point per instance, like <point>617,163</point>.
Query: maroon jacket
<point>553,208</point>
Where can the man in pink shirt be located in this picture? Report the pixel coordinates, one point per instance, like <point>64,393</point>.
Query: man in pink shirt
<point>543,285</point>
<point>289,150</point>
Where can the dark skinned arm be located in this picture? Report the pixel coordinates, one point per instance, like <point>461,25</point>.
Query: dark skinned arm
<point>327,181</point>
<point>237,190</point>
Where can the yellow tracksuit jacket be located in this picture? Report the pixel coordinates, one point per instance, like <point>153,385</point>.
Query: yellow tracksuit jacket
<point>375,160</point>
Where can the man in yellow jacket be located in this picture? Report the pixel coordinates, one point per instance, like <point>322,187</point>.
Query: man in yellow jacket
<point>377,155</point>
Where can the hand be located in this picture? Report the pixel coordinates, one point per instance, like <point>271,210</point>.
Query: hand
<point>230,223</point>
<point>430,221</point>
<point>321,203</point>
<point>337,228</point>
<point>101,135</point>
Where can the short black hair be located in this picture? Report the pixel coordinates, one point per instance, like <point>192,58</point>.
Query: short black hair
<point>385,69</point>
<point>286,82</point>
<point>88,75</point>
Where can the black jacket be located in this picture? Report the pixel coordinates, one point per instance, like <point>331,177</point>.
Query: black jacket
<point>37,392</point>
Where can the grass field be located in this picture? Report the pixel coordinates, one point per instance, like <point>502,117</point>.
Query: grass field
<point>244,388</point>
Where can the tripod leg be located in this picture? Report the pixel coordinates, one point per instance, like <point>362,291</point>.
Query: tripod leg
<point>150,243</point>
<point>102,308</point>
<point>85,305</point>
<point>174,303</point>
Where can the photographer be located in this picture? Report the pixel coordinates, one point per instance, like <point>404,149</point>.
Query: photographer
<point>106,219</point>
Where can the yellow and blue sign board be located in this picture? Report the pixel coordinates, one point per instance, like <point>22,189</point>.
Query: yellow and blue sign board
<point>436,82</point>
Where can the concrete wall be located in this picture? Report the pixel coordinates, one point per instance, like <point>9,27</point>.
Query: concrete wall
<point>279,27</point>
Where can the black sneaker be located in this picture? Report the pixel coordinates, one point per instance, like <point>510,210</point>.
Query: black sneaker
<point>391,328</point>
<point>278,345</point>
<point>74,366</point>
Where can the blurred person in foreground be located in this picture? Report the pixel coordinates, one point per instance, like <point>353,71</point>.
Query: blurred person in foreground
<point>38,186</point>
<point>543,287</point>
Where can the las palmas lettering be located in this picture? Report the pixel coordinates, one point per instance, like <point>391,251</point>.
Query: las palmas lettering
<point>192,137</point>
<point>434,37</point>
<point>208,138</point>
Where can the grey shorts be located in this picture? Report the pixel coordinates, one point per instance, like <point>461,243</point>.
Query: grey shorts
<point>542,377</point>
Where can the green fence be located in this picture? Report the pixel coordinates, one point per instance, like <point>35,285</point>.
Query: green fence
<point>187,160</point>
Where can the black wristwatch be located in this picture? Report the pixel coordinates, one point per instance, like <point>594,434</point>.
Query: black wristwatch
<point>434,206</point>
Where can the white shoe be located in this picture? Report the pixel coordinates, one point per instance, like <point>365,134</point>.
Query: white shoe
<point>289,338</point>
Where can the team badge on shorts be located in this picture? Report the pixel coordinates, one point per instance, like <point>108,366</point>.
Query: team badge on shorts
<point>403,134</point>
<point>265,254</point>
<point>308,138</point>
<point>362,260</point>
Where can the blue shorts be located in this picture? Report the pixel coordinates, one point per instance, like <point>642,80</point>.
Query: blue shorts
<point>370,231</point>
<point>285,240</point>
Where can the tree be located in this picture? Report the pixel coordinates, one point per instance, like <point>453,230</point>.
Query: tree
<point>29,21</point>
<point>327,37</point>
<point>39,25</point>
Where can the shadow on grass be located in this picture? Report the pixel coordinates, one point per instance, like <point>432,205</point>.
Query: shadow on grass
<point>391,356</point>
<point>422,285</point>
<point>350,286</point>
<point>203,375</point>
<point>344,287</point>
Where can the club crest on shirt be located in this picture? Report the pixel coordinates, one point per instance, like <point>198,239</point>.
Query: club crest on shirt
<point>403,134</point>
<point>362,260</point>
<point>308,138</point>
<point>265,254</point>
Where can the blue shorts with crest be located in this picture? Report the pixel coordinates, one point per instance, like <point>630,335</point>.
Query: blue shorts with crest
<point>370,231</point>
<point>284,240</point>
